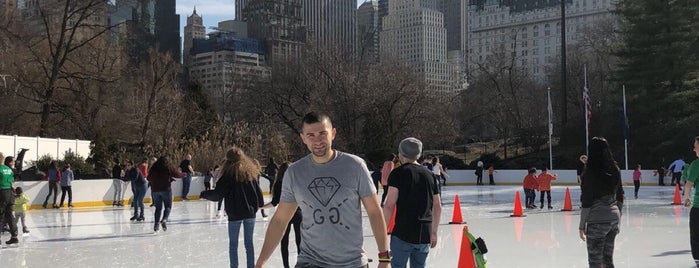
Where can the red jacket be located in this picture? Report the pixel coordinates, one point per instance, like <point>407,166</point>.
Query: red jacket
<point>545,181</point>
<point>530,182</point>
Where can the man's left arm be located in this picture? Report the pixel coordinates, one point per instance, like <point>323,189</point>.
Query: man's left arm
<point>436,215</point>
<point>378,225</point>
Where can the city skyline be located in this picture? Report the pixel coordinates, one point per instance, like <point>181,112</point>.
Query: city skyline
<point>211,11</point>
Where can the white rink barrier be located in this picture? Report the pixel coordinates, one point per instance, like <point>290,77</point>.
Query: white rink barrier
<point>101,192</point>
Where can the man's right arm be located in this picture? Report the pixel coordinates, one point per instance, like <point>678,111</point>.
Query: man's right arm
<point>275,231</point>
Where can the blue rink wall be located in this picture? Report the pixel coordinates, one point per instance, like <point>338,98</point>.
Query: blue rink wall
<point>101,192</point>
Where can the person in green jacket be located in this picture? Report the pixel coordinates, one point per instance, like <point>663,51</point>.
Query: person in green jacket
<point>692,176</point>
<point>7,197</point>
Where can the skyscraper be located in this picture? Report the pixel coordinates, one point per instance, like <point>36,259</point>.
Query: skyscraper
<point>414,33</point>
<point>331,24</point>
<point>193,30</point>
<point>279,25</point>
<point>239,7</point>
<point>368,31</point>
<point>167,28</point>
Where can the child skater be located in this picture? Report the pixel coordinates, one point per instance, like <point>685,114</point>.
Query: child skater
<point>545,185</point>
<point>20,207</point>
<point>530,185</point>
<point>636,180</point>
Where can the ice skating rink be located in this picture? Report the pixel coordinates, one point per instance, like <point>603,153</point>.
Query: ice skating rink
<point>653,234</point>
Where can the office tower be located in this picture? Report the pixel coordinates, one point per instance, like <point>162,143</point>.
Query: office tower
<point>193,30</point>
<point>278,25</point>
<point>414,33</point>
<point>331,24</point>
<point>368,31</point>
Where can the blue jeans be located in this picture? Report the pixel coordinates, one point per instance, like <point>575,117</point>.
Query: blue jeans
<point>139,192</point>
<point>402,251</point>
<point>233,230</point>
<point>160,198</point>
<point>186,181</point>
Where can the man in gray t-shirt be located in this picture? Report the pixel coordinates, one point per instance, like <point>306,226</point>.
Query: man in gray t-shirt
<point>328,186</point>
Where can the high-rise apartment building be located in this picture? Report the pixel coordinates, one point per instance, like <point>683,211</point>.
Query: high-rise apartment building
<point>368,31</point>
<point>414,33</point>
<point>279,25</point>
<point>224,64</point>
<point>193,30</point>
<point>529,30</point>
<point>331,24</point>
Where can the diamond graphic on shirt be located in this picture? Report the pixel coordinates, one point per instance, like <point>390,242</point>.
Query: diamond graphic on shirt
<point>323,189</point>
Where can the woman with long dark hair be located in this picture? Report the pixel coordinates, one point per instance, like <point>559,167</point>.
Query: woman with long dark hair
<point>238,185</point>
<point>602,198</point>
<point>54,177</point>
<point>691,179</point>
<point>160,177</point>
<point>295,220</point>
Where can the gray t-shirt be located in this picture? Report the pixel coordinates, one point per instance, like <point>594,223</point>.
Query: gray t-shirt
<point>329,196</point>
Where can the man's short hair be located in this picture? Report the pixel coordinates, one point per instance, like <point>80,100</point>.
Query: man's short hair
<point>315,117</point>
<point>9,160</point>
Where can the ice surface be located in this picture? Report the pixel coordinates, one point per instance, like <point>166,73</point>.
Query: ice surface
<point>653,234</point>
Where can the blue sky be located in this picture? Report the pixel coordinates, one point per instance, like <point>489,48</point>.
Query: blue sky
<point>212,11</point>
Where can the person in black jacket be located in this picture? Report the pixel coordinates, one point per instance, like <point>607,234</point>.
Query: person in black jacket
<point>138,187</point>
<point>160,177</point>
<point>295,220</point>
<point>602,197</point>
<point>239,187</point>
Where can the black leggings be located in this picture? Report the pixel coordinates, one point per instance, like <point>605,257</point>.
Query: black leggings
<point>296,221</point>
<point>385,192</point>
<point>636,185</point>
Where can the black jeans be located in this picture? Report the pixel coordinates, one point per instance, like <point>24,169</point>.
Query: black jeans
<point>7,199</point>
<point>68,189</point>
<point>53,188</point>
<point>694,232</point>
<point>636,186</point>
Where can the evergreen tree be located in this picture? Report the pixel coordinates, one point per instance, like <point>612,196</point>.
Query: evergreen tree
<point>658,54</point>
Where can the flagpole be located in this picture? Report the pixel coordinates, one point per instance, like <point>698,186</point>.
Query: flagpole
<point>550,110</point>
<point>626,134</point>
<point>587,120</point>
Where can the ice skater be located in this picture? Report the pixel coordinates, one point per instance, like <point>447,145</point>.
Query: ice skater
<point>530,185</point>
<point>602,198</point>
<point>544,180</point>
<point>691,179</point>
<point>139,186</point>
<point>20,208</point>
<point>117,177</point>
<point>66,185</point>
<point>295,220</point>
<point>54,178</point>
<point>636,180</point>
<point>386,168</point>
<point>240,187</point>
<point>161,177</point>
<point>7,197</point>
<point>333,237</point>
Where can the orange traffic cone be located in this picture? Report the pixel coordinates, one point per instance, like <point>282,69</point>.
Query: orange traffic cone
<point>567,205</point>
<point>517,212</point>
<point>466,259</point>
<point>678,200</point>
<point>393,221</point>
<point>456,216</point>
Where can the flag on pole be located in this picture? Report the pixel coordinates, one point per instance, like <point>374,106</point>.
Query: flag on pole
<point>588,107</point>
